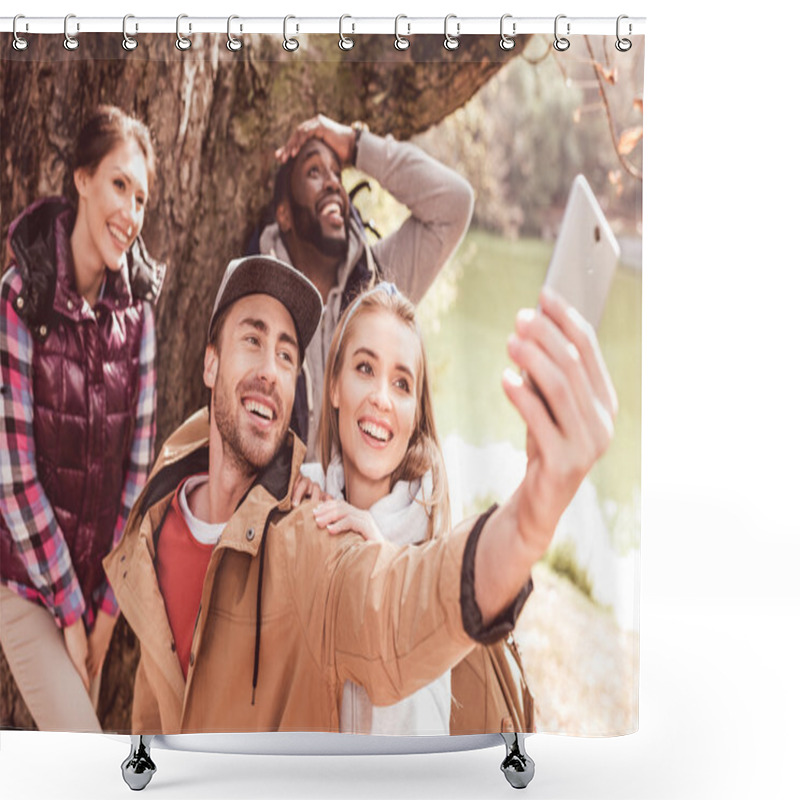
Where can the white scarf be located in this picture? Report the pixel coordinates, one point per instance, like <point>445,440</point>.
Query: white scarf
<point>402,515</point>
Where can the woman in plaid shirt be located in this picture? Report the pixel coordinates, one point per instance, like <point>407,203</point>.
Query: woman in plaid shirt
<point>77,415</point>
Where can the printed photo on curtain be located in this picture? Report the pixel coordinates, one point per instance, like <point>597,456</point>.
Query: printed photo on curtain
<point>295,435</point>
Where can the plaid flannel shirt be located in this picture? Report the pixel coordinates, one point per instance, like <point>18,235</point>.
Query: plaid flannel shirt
<point>23,503</point>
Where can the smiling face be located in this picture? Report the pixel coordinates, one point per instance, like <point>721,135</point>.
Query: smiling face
<point>317,200</point>
<point>111,205</point>
<point>252,374</point>
<point>376,395</point>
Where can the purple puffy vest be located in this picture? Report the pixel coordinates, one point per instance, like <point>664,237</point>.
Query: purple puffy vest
<point>85,383</point>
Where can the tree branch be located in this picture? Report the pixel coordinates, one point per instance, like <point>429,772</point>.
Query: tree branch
<point>630,168</point>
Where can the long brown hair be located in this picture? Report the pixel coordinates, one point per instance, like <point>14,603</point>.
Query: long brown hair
<point>424,451</point>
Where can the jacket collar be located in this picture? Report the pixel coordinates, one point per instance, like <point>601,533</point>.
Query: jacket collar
<point>186,453</point>
<point>39,241</point>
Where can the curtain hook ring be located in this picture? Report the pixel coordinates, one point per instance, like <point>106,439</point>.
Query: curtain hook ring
<point>507,42</point>
<point>19,43</point>
<point>560,43</point>
<point>400,42</point>
<point>234,43</point>
<point>451,42</point>
<point>70,42</point>
<point>129,42</point>
<point>345,42</point>
<point>182,43</point>
<point>623,45</point>
<point>290,44</point>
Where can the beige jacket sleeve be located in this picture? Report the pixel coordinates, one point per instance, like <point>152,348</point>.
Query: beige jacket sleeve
<point>440,202</point>
<point>384,617</point>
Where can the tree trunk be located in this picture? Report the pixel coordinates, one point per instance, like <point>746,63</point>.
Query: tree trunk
<point>215,123</point>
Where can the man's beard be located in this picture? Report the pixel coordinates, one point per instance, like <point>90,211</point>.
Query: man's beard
<point>308,227</point>
<point>245,452</point>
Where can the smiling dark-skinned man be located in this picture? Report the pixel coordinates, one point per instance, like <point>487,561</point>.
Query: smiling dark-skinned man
<point>315,232</point>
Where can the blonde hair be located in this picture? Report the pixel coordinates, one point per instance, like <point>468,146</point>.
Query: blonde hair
<point>424,451</point>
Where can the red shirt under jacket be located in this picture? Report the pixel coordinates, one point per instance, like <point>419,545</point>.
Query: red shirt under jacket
<point>181,564</point>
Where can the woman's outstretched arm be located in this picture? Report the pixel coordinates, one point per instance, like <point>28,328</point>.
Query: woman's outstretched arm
<point>570,424</point>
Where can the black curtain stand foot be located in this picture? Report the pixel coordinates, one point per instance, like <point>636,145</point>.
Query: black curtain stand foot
<point>517,766</point>
<point>138,768</point>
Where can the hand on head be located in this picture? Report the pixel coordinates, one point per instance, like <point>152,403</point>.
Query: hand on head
<point>340,138</point>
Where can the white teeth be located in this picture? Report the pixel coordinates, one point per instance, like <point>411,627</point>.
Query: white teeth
<point>118,235</point>
<point>376,431</point>
<point>258,408</point>
<point>332,207</point>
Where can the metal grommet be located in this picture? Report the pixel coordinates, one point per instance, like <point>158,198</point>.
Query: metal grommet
<point>345,42</point>
<point>70,42</point>
<point>507,42</point>
<point>234,44</point>
<point>451,42</point>
<point>128,42</point>
<point>623,45</point>
<point>560,43</point>
<point>289,44</point>
<point>400,42</point>
<point>250,535</point>
<point>182,43</point>
<point>19,43</point>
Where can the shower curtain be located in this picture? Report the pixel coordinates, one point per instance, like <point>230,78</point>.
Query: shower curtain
<point>517,126</point>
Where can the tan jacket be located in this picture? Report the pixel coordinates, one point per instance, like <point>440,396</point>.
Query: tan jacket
<point>332,608</point>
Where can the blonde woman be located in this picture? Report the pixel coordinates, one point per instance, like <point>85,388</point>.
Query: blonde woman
<point>382,469</point>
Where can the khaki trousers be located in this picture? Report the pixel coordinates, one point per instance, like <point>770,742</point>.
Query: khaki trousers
<point>49,683</point>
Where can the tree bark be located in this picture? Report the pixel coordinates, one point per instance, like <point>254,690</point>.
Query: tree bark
<point>216,119</point>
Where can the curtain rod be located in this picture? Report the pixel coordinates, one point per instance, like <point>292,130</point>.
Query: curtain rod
<point>402,25</point>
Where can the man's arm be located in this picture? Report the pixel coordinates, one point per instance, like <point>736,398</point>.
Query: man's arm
<point>440,202</point>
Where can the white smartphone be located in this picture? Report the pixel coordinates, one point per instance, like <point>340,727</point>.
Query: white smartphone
<point>585,255</point>
<point>583,261</point>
